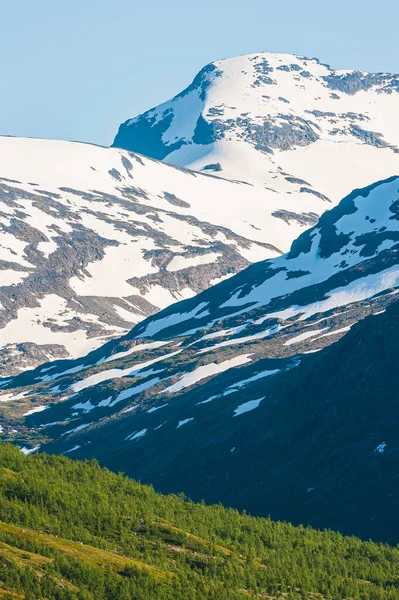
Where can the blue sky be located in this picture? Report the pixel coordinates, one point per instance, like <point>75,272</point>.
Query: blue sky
<point>76,69</point>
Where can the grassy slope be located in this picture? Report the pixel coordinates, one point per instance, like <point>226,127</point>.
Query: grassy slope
<point>72,530</point>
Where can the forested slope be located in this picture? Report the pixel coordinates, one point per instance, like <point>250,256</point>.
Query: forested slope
<point>73,530</point>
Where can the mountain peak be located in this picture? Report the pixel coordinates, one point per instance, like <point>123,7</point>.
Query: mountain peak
<point>239,114</point>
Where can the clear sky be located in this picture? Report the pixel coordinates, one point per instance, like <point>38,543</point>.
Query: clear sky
<point>75,69</point>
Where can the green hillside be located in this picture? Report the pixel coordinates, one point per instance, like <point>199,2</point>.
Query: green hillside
<point>75,531</point>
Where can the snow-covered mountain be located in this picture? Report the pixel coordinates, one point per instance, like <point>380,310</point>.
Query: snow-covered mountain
<point>93,240</point>
<point>284,122</point>
<point>186,388</point>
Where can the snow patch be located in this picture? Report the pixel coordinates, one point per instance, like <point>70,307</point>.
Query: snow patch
<point>137,435</point>
<point>381,448</point>
<point>247,406</point>
<point>209,370</point>
<point>37,409</point>
<point>184,421</point>
<point>28,451</point>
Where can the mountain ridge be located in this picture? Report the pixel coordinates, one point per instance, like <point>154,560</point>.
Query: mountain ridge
<point>87,220</point>
<point>197,368</point>
<point>107,238</point>
<point>246,116</point>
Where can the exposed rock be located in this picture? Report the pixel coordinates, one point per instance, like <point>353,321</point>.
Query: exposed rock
<point>307,190</point>
<point>172,199</point>
<point>356,81</point>
<point>80,266</point>
<point>370,137</point>
<point>212,167</point>
<point>259,115</point>
<point>306,219</point>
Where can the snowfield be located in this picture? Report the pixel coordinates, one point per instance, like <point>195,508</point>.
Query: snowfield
<point>93,240</point>
<point>269,119</point>
<point>217,352</point>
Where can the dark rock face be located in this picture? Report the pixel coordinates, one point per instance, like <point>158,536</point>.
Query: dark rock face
<point>321,113</point>
<point>207,132</point>
<point>302,218</point>
<point>370,137</point>
<point>354,82</point>
<point>148,136</point>
<point>279,135</point>
<point>172,199</point>
<point>307,190</point>
<point>203,80</point>
<point>293,132</point>
<point>262,70</point>
<point>148,130</point>
<point>212,167</point>
<point>293,67</point>
<point>296,180</point>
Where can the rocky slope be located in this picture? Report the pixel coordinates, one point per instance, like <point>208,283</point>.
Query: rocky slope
<point>285,122</point>
<point>222,395</point>
<point>93,240</point>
